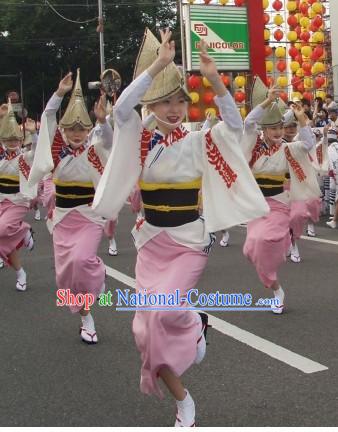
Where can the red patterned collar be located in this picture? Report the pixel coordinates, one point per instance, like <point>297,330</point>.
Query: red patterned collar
<point>10,155</point>
<point>174,136</point>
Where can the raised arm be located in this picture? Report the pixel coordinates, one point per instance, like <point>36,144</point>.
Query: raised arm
<point>306,136</point>
<point>30,127</point>
<point>103,129</point>
<point>223,99</point>
<point>132,95</point>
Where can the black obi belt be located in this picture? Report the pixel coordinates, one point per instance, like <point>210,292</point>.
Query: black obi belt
<point>270,184</point>
<point>9,184</point>
<point>73,194</point>
<point>170,204</point>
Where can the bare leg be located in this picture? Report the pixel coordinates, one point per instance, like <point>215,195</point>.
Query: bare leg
<point>15,260</point>
<point>173,383</point>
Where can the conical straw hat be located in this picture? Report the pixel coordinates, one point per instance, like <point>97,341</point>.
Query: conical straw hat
<point>274,113</point>
<point>9,128</point>
<point>167,82</point>
<point>259,92</point>
<point>76,112</point>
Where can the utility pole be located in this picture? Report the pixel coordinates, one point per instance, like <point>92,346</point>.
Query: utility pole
<point>100,30</point>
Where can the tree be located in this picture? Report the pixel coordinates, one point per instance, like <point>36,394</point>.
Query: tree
<point>35,40</point>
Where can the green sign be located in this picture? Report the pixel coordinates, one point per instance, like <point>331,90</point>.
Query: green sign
<point>225,29</point>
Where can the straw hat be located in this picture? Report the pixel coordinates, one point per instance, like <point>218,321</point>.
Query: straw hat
<point>274,113</point>
<point>9,128</point>
<point>167,82</point>
<point>76,112</point>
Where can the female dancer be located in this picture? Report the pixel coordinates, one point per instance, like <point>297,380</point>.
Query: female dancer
<point>268,238</point>
<point>15,195</point>
<point>173,242</point>
<point>76,166</point>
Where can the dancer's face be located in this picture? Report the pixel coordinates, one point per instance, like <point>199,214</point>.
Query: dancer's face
<point>170,112</point>
<point>76,136</point>
<point>273,134</point>
<point>12,144</point>
<point>290,132</point>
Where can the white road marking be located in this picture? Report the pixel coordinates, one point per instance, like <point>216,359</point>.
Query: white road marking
<point>315,239</point>
<point>319,240</point>
<point>275,351</point>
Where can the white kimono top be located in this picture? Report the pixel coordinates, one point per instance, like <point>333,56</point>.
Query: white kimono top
<point>277,160</point>
<point>83,166</point>
<point>230,193</point>
<point>15,168</point>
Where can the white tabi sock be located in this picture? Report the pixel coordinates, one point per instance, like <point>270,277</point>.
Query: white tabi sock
<point>21,275</point>
<point>185,411</point>
<point>279,294</point>
<point>88,323</point>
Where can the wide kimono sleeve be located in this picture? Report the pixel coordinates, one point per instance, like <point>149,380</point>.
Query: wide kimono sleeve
<point>123,168</point>
<point>230,193</point>
<point>303,176</point>
<point>251,132</point>
<point>43,160</point>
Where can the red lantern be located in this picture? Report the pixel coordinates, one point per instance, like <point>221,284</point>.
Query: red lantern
<point>299,59</point>
<point>319,51</point>
<point>268,50</point>
<point>278,35</point>
<point>239,2</point>
<point>317,21</point>
<point>300,87</point>
<point>308,96</point>
<point>295,81</point>
<point>293,52</point>
<point>266,18</point>
<point>305,36</point>
<point>306,66</point>
<point>281,65</point>
<point>292,21</point>
<point>298,30</point>
<point>194,82</point>
<point>277,5</point>
<point>319,81</point>
<point>194,114</point>
<point>303,8</point>
<point>208,97</point>
<point>225,79</point>
<point>311,2</point>
<point>239,96</point>
<point>283,96</point>
<point>270,81</point>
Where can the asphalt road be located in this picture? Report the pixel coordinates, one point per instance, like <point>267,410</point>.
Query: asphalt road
<point>48,377</point>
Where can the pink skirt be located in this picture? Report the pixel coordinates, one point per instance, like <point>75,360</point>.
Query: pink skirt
<point>166,338</point>
<point>77,266</point>
<point>48,195</point>
<point>268,240</point>
<point>12,227</point>
<point>301,212</point>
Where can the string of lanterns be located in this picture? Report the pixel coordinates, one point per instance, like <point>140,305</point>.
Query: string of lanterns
<point>301,50</point>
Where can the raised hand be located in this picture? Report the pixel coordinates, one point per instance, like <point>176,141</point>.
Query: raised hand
<point>166,53</point>
<point>3,110</point>
<point>273,94</point>
<point>207,65</point>
<point>65,85</point>
<point>100,109</point>
<point>30,125</point>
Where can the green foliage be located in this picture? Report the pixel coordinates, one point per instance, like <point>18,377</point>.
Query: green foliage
<point>44,47</point>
